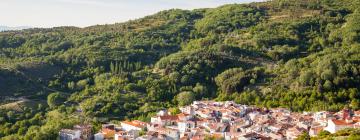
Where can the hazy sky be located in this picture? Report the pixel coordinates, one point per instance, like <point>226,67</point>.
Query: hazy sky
<point>50,13</point>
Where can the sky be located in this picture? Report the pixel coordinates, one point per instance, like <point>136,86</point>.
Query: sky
<point>82,13</point>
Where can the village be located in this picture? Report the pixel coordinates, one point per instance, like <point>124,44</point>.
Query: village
<point>221,120</point>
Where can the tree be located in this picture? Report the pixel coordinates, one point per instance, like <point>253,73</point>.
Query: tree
<point>71,85</point>
<point>328,85</point>
<point>174,111</point>
<point>323,133</point>
<point>200,90</point>
<point>355,104</point>
<point>185,98</point>
<point>82,84</point>
<point>209,137</point>
<point>54,99</point>
<point>10,114</point>
<point>328,75</point>
<point>112,67</point>
<point>306,78</point>
<point>304,136</point>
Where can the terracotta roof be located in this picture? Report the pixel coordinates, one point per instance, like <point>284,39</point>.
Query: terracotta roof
<point>108,133</point>
<point>341,122</point>
<point>357,113</point>
<point>317,129</point>
<point>182,115</point>
<point>356,118</point>
<point>138,124</point>
<point>152,133</point>
<point>169,117</point>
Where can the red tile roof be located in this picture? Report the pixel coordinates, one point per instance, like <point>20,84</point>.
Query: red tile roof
<point>341,122</point>
<point>136,123</point>
<point>108,133</point>
<point>182,115</point>
<point>169,117</point>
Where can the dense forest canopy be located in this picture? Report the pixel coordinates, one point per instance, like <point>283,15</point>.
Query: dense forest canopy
<point>298,54</point>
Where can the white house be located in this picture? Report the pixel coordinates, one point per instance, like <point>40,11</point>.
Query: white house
<point>334,125</point>
<point>185,125</point>
<point>188,110</point>
<point>165,120</point>
<point>133,125</point>
<point>322,117</point>
<point>162,113</point>
<point>184,117</point>
<point>119,137</point>
<point>315,130</point>
<point>99,136</point>
<point>68,134</point>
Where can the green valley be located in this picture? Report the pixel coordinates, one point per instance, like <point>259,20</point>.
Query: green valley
<point>303,55</point>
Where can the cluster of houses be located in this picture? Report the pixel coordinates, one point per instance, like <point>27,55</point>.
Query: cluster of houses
<point>222,120</point>
<point>79,132</point>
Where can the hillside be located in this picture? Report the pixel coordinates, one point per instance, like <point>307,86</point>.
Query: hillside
<point>298,54</point>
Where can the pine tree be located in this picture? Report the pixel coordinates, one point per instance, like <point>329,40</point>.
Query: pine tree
<point>112,69</point>
<point>116,71</point>
<point>120,69</point>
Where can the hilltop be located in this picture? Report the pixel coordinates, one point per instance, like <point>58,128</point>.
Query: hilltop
<point>297,54</point>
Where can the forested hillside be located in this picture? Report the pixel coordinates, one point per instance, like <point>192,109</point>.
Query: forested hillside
<point>298,54</point>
